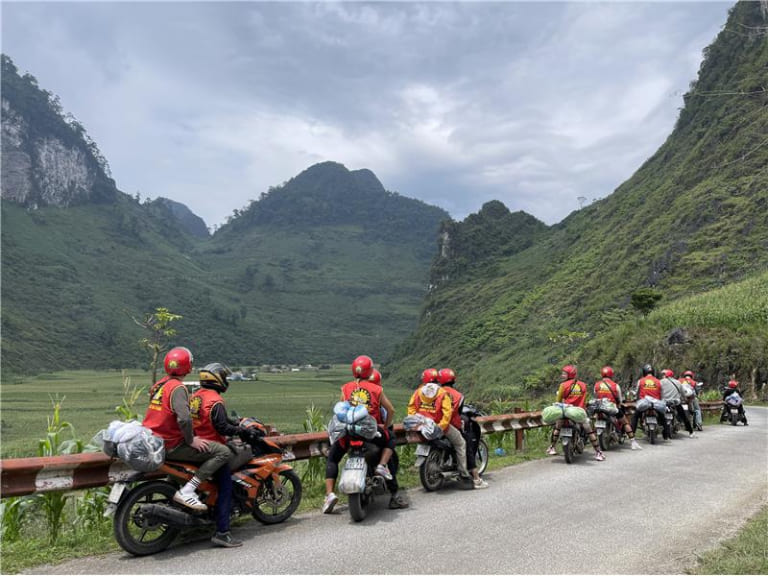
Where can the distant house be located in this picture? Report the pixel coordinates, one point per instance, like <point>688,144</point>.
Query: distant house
<point>295,369</point>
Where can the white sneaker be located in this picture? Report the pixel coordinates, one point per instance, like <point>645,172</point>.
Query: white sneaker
<point>190,500</point>
<point>635,445</point>
<point>480,484</point>
<point>551,451</point>
<point>383,471</point>
<point>329,503</point>
<point>692,435</point>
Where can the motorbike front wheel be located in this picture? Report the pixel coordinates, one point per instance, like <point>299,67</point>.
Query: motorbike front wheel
<point>138,534</point>
<point>429,473</point>
<point>358,506</point>
<point>274,504</point>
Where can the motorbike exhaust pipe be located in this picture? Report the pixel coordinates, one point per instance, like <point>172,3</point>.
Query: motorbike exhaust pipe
<point>172,515</point>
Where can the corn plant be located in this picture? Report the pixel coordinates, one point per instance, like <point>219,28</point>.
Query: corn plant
<point>314,471</point>
<point>90,509</point>
<point>131,394</point>
<point>12,517</point>
<point>52,503</point>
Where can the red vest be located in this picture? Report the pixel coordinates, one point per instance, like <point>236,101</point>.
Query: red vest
<point>608,389</point>
<point>200,405</point>
<point>573,393</point>
<point>160,418</point>
<point>366,393</point>
<point>456,399</point>
<point>649,386</point>
<point>432,408</point>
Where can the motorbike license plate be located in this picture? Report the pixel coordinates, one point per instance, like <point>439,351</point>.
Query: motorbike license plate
<point>734,410</point>
<point>116,493</point>
<point>422,450</point>
<point>600,424</point>
<point>355,463</point>
<point>650,419</point>
<point>567,432</point>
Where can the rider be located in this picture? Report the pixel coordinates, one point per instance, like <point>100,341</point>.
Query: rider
<point>168,416</point>
<point>672,394</point>
<point>689,380</point>
<point>447,379</point>
<point>432,401</point>
<point>574,393</point>
<point>209,418</point>
<point>362,391</point>
<point>733,388</point>
<point>610,390</point>
<point>647,386</point>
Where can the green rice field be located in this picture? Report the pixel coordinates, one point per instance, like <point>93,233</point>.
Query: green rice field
<point>90,399</point>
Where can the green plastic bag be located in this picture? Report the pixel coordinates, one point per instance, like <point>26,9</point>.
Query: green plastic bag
<point>551,414</point>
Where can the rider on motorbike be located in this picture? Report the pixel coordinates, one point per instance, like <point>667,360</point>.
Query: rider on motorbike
<point>210,421</point>
<point>672,394</point>
<point>610,390</point>
<point>362,391</point>
<point>447,379</point>
<point>168,416</point>
<point>432,401</point>
<point>574,393</point>
<point>647,386</point>
<point>733,388</point>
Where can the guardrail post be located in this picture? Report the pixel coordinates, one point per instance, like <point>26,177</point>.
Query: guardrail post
<point>519,434</point>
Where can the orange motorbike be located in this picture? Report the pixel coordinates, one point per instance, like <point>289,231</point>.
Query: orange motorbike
<point>147,520</point>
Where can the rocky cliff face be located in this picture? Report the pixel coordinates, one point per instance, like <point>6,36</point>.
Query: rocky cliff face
<point>42,171</point>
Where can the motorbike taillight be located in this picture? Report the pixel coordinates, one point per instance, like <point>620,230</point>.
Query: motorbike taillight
<point>356,443</point>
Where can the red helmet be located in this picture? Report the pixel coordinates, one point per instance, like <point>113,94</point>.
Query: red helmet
<point>570,371</point>
<point>362,367</point>
<point>178,361</point>
<point>607,372</point>
<point>667,373</point>
<point>429,375</point>
<point>688,374</point>
<point>375,377</point>
<point>446,376</point>
<point>733,384</point>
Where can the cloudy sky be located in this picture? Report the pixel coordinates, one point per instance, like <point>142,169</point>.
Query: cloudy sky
<point>211,103</point>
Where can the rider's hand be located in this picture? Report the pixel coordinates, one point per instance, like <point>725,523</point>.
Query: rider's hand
<point>200,444</point>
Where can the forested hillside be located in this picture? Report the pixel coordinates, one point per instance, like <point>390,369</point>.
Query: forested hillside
<point>693,218</point>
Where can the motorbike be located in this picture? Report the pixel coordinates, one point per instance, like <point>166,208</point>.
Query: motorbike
<point>732,411</point>
<point>436,458</point>
<point>650,424</point>
<point>606,427</point>
<point>358,480</point>
<point>147,520</point>
<point>671,423</point>
<point>572,437</point>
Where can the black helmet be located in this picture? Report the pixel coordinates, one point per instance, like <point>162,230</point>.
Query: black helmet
<point>647,369</point>
<point>214,376</point>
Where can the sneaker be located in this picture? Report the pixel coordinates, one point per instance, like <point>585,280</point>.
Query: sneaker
<point>225,540</point>
<point>480,484</point>
<point>190,500</point>
<point>692,435</point>
<point>398,501</point>
<point>635,445</point>
<point>551,451</point>
<point>599,456</point>
<point>383,471</point>
<point>329,503</point>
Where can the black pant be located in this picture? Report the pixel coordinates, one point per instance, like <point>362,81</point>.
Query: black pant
<point>659,415</point>
<point>682,415</point>
<point>472,438</point>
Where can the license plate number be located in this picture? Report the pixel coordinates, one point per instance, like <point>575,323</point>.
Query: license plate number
<point>600,424</point>
<point>422,450</point>
<point>116,493</point>
<point>567,432</point>
<point>734,410</point>
<point>650,419</point>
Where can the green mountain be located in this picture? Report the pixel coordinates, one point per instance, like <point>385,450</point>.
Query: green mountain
<point>322,268</point>
<point>693,218</point>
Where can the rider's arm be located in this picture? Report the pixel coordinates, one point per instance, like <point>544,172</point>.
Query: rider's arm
<point>560,391</point>
<point>220,421</point>
<point>180,407</point>
<point>412,404</point>
<point>447,412</point>
<point>389,408</point>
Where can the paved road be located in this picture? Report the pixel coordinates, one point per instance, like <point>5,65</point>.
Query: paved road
<point>638,512</point>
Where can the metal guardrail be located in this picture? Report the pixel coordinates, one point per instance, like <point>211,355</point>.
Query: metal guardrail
<point>22,476</point>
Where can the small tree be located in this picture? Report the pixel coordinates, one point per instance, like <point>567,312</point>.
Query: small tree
<point>644,300</point>
<point>158,324</point>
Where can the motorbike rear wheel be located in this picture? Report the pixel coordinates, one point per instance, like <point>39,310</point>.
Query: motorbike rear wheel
<point>358,506</point>
<point>652,436</point>
<point>481,458</point>
<point>735,419</point>
<point>138,534</point>
<point>429,473</point>
<point>568,452</point>
<point>275,504</point>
